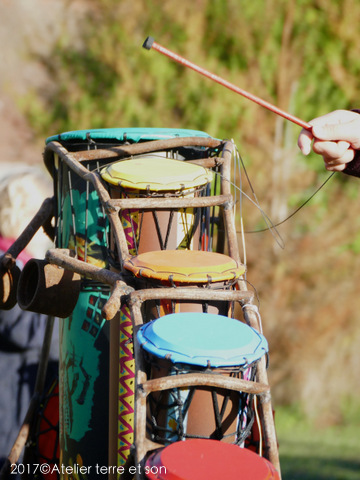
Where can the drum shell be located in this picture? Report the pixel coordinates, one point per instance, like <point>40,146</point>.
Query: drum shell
<point>82,227</point>
<point>149,230</point>
<point>84,381</point>
<point>200,417</point>
<point>153,309</point>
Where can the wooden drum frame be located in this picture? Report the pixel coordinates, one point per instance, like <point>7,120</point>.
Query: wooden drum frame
<point>214,154</point>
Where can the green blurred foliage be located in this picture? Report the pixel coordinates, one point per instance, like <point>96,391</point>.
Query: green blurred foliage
<point>308,452</point>
<point>107,78</point>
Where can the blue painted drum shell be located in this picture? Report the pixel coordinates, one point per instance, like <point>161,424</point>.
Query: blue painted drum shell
<point>202,339</point>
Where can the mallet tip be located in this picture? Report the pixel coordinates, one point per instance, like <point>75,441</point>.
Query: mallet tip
<point>148,43</point>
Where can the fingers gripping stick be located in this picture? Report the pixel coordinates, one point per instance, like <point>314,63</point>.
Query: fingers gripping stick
<point>150,43</point>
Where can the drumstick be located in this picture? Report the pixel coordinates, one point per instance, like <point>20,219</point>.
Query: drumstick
<point>150,43</point>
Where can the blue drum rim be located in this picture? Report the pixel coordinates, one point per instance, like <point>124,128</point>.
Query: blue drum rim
<point>125,134</point>
<point>202,339</point>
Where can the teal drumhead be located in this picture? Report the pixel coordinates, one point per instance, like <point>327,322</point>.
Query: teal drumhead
<point>202,339</point>
<point>121,135</point>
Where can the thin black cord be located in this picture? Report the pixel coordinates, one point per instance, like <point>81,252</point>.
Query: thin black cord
<point>299,208</point>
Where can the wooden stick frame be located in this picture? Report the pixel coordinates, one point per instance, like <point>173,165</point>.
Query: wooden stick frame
<point>260,387</point>
<point>123,287</point>
<point>113,206</point>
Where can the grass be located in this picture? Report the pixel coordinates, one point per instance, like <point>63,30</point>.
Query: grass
<point>311,453</point>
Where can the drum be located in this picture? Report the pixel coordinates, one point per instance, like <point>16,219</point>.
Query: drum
<point>153,176</point>
<point>176,267</point>
<point>107,137</point>
<point>82,227</point>
<point>200,343</point>
<point>207,460</point>
<point>190,268</point>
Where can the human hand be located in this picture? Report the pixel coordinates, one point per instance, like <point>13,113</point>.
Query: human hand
<point>336,136</point>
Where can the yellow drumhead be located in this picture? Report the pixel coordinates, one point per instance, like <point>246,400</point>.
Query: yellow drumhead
<point>156,174</point>
<point>185,266</point>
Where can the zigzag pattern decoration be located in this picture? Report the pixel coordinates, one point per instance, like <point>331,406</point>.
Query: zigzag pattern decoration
<point>130,225</point>
<point>126,387</point>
